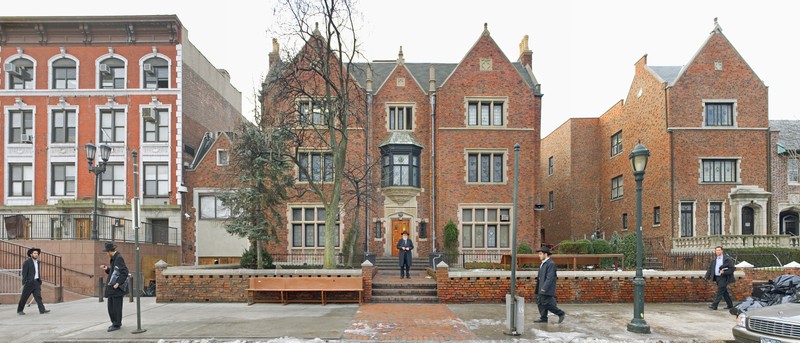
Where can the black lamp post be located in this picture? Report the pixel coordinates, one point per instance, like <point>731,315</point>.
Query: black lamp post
<point>98,169</point>
<point>638,158</point>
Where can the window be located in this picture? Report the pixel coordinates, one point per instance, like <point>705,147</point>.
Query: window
<point>401,118</point>
<point>485,113</point>
<point>616,143</point>
<point>317,165</point>
<point>156,180</point>
<point>20,180</point>
<point>719,170</point>
<point>624,221</point>
<point>157,131</point>
<point>211,207</point>
<point>485,167</point>
<point>64,123</point>
<point>715,218</point>
<point>112,74</point>
<point>719,114</point>
<point>112,126</point>
<point>551,200</point>
<point>62,181</point>
<point>312,112</point>
<point>550,166</point>
<point>156,73</point>
<point>657,215</point>
<point>687,219</point>
<point>308,228</point>
<point>21,74</point>
<point>112,181</point>
<point>222,157</point>
<point>794,170</point>
<point>65,74</point>
<point>485,227</point>
<point>20,123</point>
<point>616,187</point>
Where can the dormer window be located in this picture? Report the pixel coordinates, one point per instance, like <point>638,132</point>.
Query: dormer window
<point>65,74</point>
<point>20,74</point>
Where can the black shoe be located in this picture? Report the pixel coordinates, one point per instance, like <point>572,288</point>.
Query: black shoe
<point>113,328</point>
<point>20,313</point>
<point>540,321</point>
<point>45,311</point>
<point>408,276</point>
<point>713,307</point>
<point>728,307</point>
<point>561,318</point>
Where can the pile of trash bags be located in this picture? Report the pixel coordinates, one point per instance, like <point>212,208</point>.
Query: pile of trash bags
<point>781,290</point>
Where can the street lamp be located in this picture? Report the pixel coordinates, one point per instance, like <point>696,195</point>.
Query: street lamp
<point>638,158</point>
<point>98,169</point>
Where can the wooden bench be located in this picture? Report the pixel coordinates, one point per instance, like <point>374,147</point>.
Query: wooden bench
<point>282,288</point>
<point>563,259</point>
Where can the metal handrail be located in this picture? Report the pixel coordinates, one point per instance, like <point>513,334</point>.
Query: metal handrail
<point>77,226</point>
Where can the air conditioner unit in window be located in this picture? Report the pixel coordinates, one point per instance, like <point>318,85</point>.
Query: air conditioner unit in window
<point>105,69</point>
<point>14,70</point>
<point>504,218</point>
<point>148,114</point>
<point>26,138</point>
<point>148,68</point>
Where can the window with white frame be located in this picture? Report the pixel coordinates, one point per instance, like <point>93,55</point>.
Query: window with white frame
<point>157,131</point>
<point>485,167</point>
<point>20,180</point>
<point>65,74</point>
<point>616,187</point>
<point>112,181</point>
<point>222,157</point>
<point>316,165</point>
<point>112,73</point>
<point>720,170</point>
<point>156,73</point>
<point>794,170</point>
<point>308,227</point>
<point>718,114</point>
<point>715,218</point>
<point>687,218</point>
<point>485,227</point>
<point>550,163</point>
<point>401,117</point>
<point>485,113</point>
<point>20,74</point>
<point>616,143</point>
<point>62,179</point>
<point>312,112</point>
<point>63,125</point>
<point>156,180</point>
<point>211,207</point>
<point>112,125</point>
<point>20,125</point>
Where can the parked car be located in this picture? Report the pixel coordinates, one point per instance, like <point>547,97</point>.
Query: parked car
<point>772,324</point>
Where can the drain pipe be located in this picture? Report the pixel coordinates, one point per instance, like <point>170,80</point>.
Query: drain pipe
<point>432,90</point>
<point>368,112</point>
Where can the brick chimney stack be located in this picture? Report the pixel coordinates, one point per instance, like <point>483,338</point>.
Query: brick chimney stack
<point>275,55</point>
<point>525,53</point>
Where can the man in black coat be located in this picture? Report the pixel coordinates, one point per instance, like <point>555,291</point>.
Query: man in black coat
<point>405,246</point>
<point>546,288</point>
<point>31,281</point>
<point>115,287</point>
<point>721,268</point>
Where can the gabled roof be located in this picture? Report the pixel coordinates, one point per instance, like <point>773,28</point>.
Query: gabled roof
<point>667,74</point>
<point>789,136</point>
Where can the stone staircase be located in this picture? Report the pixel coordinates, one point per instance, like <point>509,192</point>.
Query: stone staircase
<point>388,264</point>
<point>388,287</point>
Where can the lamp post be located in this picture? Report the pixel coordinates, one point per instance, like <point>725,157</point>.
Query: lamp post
<point>98,169</point>
<point>638,158</point>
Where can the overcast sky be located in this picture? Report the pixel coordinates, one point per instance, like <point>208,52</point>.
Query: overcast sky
<point>583,51</point>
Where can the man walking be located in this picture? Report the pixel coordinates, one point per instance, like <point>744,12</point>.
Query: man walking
<point>405,246</point>
<point>31,281</point>
<point>721,268</point>
<point>546,288</point>
<point>115,288</point>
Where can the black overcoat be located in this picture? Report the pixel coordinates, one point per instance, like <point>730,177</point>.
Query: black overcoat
<point>405,255</point>
<point>116,262</point>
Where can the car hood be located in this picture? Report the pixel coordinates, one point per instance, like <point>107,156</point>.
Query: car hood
<point>787,312</point>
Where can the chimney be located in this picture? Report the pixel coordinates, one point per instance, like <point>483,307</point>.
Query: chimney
<point>432,81</point>
<point>369,79</point>
<point>275,55</point>
<point>525,53</point>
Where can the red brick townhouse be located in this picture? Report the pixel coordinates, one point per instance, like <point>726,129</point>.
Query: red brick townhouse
<point>708,178</point>
<point>126,82</point>
<point>443,135</point>
<point>785,171</point>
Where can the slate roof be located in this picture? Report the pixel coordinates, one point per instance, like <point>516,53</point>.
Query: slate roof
<point>789,136</point>
<point>401,138</point>
<point>667,73</point>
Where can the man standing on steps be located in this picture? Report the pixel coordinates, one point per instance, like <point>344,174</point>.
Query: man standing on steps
<point>31,281</point>
<point>546,288</point>
<point>405,246</point>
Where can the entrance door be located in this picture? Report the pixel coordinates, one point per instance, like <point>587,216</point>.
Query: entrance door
<point>398,226</point>
<point>83,228</point>
<point>747,220</point>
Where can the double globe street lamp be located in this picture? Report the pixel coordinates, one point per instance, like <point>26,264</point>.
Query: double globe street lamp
<point>638,158</point>
<point>98,169</point>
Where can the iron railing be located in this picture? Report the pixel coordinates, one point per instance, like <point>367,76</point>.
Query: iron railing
<point>78,226</point>
<point>11,257</point>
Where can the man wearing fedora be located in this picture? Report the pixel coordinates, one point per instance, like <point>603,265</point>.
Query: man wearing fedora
<point>31,281</point>
<point>546,288</point>
<point>405,246</point>
<point>115,287</point>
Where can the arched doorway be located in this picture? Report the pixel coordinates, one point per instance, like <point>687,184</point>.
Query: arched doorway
<point>789,223</point>
<point>747,220</point>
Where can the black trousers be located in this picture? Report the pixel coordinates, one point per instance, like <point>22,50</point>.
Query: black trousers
<point>547,303</point>
<point>722,293</point>
<point>115,310</point>
<point>34,287</point>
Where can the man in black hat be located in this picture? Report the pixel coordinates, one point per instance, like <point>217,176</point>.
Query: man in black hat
<point>31,281</point>
<point>546,288</point>
<point>405,246</point>
<point>115,288</point>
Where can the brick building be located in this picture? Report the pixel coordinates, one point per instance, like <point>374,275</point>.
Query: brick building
<point>785,153</point>
<point>708,178</point>
<point>442,136</point>
<point>129,82</point>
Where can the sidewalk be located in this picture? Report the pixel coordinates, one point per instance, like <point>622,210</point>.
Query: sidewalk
<point>86,321</point>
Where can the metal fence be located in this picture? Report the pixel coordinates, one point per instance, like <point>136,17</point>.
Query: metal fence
<point>310,259</point>
<point>11,257</point>
<point>79,227</point>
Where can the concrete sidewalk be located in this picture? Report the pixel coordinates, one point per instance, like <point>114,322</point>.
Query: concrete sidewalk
<point>86,321</point>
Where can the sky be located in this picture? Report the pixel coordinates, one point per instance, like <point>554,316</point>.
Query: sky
<point>583,50</point>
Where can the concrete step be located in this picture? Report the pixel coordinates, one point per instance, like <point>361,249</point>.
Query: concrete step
<point>404,292</point>
<point>408,285</point>
<point>405,299</point>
